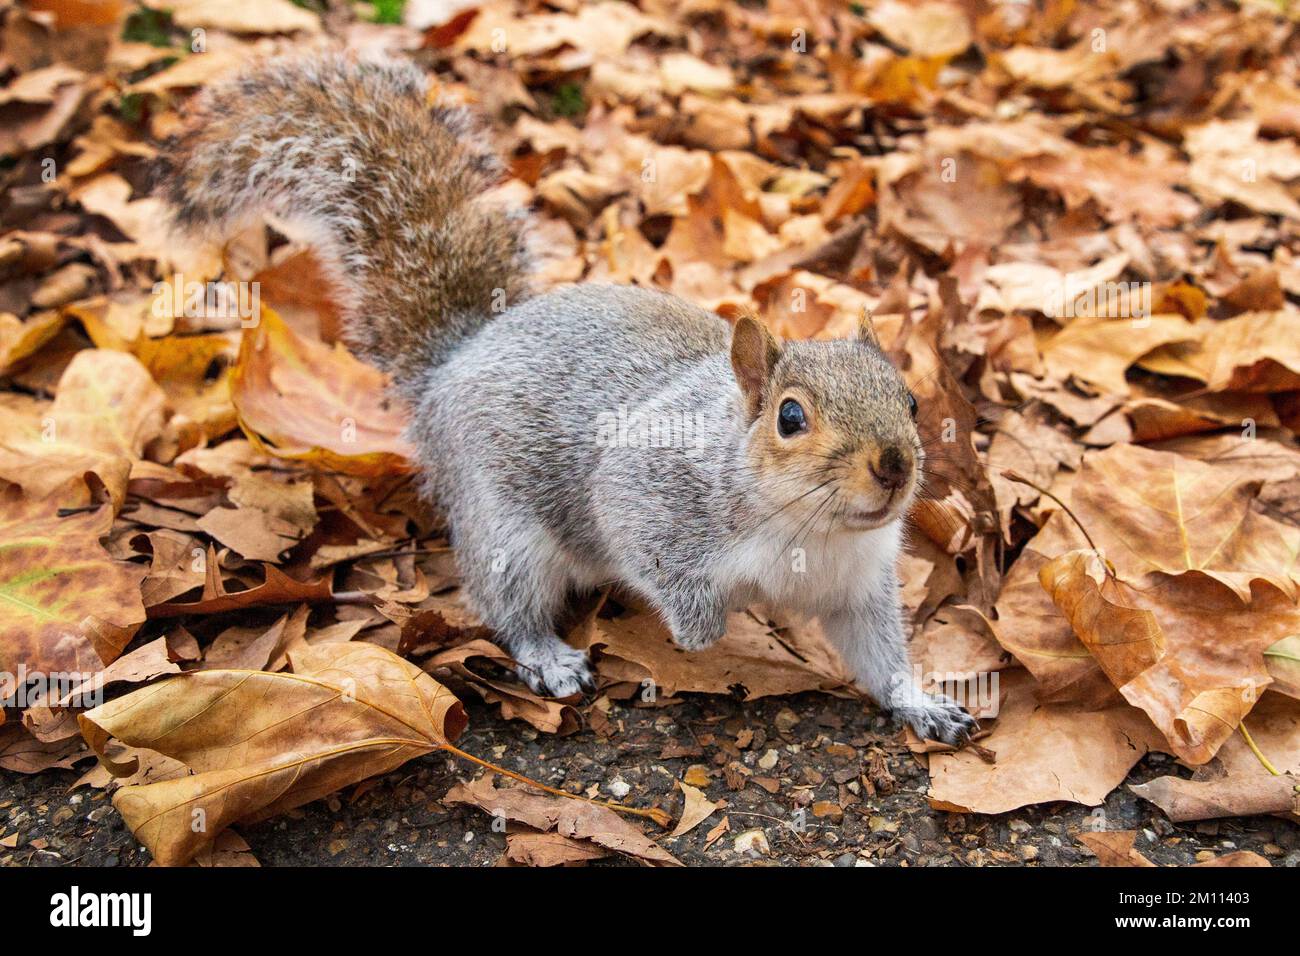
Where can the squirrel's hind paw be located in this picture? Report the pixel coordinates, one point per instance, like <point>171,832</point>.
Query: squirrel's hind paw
<point>554,669</point>
<point>939,717</point>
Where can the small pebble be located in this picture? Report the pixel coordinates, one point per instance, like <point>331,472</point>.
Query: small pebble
<point>786,720</point>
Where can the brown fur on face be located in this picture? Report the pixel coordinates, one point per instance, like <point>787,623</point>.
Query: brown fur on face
<point>860,453</point>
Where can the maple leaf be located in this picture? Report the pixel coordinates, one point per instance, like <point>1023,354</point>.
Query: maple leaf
<point>67,605</point>
<point>1158,511</point>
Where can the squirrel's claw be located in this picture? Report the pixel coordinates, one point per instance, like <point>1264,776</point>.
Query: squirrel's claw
<point>554,669</point>
<point>939,717</point>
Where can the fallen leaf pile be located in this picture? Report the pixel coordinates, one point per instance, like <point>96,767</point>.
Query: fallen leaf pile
<point>1075,227</point>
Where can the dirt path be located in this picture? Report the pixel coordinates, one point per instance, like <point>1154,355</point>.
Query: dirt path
<point>825,752</point>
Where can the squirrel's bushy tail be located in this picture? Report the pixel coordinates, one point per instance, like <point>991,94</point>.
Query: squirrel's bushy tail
<point>390,185</point>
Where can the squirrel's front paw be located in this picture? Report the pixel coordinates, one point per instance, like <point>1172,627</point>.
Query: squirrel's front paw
<point>554,669</point>
<point>939,717</point>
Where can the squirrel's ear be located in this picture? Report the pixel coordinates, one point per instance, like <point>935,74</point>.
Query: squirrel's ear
<point>867,328</point>
<point>754,352</point>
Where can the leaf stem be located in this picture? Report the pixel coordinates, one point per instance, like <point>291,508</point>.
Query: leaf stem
<point>1250,742</point>
<point>1010,474</point>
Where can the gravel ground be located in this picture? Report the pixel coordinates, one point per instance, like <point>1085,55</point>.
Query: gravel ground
<point>826,752</point>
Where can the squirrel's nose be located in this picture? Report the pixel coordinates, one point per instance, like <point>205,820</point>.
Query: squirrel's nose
<point>891,466</point>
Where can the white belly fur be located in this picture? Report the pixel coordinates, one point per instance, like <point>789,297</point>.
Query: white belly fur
<point>830,572</point>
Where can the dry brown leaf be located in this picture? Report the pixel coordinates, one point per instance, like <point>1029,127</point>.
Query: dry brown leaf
<point>38,108</point>
<point>106,411</point>
<point>229,849</point>
<point>1152,511</point>
<point>1124,187</point>
<point>178,564</point>
<point>257,648</point>
<point>21,752</point>
<point>974,204</point>
<point>241,16</point>
<point>516,700</point>
<point>1034,449</point>
<point>1283,662</point>
<point>1230,162</point>
<point>680,72</point>
<point>1044,752</point>
<point>1186,800</point>
<point>551,849</point>
<point>1163,646</point>
<point>752,655</point>
<point>20,340</point>
<point>1101,352</point>
<point>251,532</point>
<point>191,71</point>
<point>1157,419</point>
<point>303,293</point>
<point>958,645</point>
<point>65,604</point>
<point>926,29</point>
<point>1037,287</point>
<point>304,401</point>
<point>1239,858</point>
<point>109,195</point>
<point>142,664</point>
<point>259,743</point>
<point>1114,848</point>
<point>106,140</point>
<point>1167,524</point>
<point>192,370</point>
<point>1254,352</point>
<point>573,819</point>
<point>278,588</point>
<point>605,28</point>
<point>696,808</point>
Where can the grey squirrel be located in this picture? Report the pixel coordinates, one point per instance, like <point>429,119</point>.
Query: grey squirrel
<point>788,466</point>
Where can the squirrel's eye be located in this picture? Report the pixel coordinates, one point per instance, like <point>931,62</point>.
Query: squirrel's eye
<point>911,405</point>
<point>791,418</point>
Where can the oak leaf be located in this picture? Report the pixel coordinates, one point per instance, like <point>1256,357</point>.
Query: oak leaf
<point>277,588</point>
